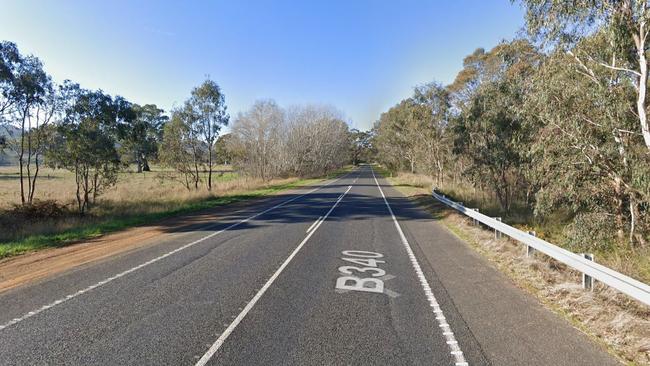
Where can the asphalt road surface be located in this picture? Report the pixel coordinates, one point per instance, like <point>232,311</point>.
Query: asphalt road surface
<point>348,273</point>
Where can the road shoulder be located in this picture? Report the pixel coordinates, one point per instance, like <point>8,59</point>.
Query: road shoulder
<point>512,327</point>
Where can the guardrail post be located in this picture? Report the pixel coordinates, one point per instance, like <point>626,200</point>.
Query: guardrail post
<point>530,250</point>
<point>588,281</point>
<point>475,221</point>
<point>497,233</point>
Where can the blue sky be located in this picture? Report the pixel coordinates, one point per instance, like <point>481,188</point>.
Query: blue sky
<point>361,56</point>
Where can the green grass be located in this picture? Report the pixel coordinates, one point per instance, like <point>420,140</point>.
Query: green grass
<point>113,224</point>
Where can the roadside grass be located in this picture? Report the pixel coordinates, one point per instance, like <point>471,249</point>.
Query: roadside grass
<point>634,263</point>
<point>619,324</point>
<point>134,203</point>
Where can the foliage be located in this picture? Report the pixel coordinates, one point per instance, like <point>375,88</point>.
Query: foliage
<point>139,138</point>
<point>554,130</point>
<point>208,106</point>
<point>85,143</point>
<point>360,146</point>
<point>181,149</point>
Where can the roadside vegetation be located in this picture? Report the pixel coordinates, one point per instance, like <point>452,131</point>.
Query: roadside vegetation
<point>136,199</point>
<point>547,131</point>
<point>76,163</point>
<point>607,316</point>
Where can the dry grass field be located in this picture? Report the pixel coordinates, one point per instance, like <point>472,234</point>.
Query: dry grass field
<point>131,187</point>
<point>137,198</point>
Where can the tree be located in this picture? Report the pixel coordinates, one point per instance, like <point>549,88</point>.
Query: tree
<point>208,104</point>
<point>315,141</point>
<point>258,131</point>
<point>180,148</point>
<point>587,157</point>
<point>86,144</point>
<point>10,64</point>
<point>360,145</point>
<point>142,134</point>
<point>624,24</point>
<point>28,102</point>
<point>490,129</point>
<point>223,149</point>
<point>434,139</point>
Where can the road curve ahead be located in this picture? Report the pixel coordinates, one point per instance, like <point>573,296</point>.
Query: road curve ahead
<point>348,273</point>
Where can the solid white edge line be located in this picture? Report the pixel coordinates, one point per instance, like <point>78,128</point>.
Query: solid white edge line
<point>154,260</point>
<point>222,338</point>
<point>455,350</point>
<point>314,224</point>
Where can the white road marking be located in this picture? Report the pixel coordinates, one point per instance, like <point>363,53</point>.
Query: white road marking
<point>154,260</point>
<point>314,224</point>
<point>217,344</point>
<point>447,332</point>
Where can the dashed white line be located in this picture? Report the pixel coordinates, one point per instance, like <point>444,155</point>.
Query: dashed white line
<point>442,323</point>
<point>217,344</point>
<point>154,260</point>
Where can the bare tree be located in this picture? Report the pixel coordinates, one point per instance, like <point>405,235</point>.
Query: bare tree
<point>259,130</point>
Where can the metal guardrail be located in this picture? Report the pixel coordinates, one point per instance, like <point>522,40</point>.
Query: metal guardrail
<point>627,285</point>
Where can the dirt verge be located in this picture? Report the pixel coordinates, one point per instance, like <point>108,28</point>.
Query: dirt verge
<point>31,267</point>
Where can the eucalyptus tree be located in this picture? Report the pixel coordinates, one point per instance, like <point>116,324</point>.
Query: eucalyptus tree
<point>180,148</point>
<point>223,149</point>
<point>208,104</point>
<point>85,142</point>
<point>29,101</point>
<point>623,24</point>
<point>10,63</point>
<point>397,132</point>
<point>434,140</point>
<point>490,129</point>
<point>360,146</point>
<point>141,134</point>
<point>588,155</point>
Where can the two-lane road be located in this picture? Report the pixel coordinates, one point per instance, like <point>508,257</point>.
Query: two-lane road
<point>348,273</point>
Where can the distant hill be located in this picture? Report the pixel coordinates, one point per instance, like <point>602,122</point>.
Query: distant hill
<point>7,157</point>
<point>9,130</point>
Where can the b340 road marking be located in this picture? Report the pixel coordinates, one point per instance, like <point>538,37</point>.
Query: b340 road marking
<point>352,280</point>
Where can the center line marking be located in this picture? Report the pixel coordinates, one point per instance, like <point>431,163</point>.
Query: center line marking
<point>447,332</point>
<point>154,260</point>
<point>217,344</point>
<point>314,224</point>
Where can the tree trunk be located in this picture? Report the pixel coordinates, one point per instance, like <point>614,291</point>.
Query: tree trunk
<point>210,168</point>
<point>33,185</point>
<point>78,193</point>
<point>21,160</point>
<point>642,87</point>
<point>29,163</point>
<point>618,197</point>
